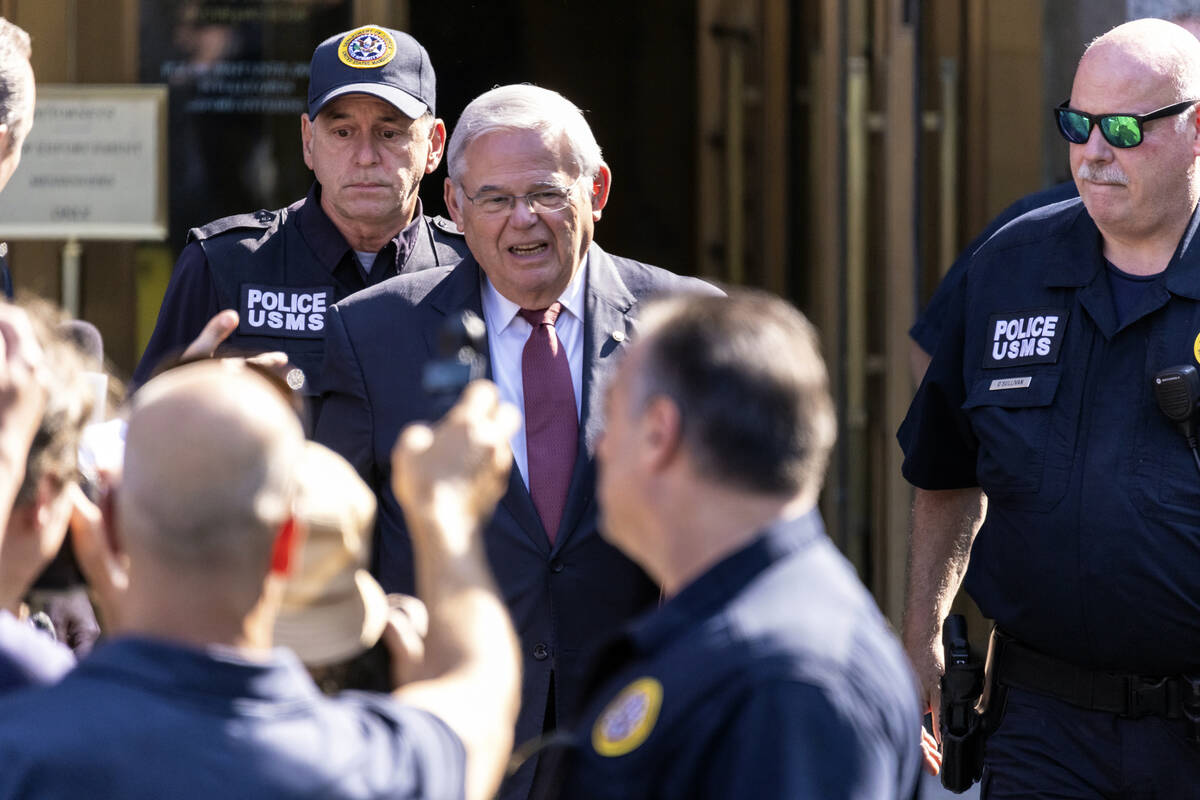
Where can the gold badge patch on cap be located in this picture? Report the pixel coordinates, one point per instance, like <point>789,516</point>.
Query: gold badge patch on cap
<point>628,719</point>
<point>366,48</point>
<point>1196,348</point>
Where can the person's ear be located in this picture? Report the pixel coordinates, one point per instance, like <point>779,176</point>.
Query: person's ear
<point>600,188</point>
<point>1196,131</point>
<point>306,136</point>
<point>453,206</point>
<point>437,146</point>
<point>286,549</point>
<point>661,432</point>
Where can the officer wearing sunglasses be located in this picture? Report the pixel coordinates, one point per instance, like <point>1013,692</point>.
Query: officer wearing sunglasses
<point>1119,130</point>
<point>927,327</point>
<point>1039,396</point>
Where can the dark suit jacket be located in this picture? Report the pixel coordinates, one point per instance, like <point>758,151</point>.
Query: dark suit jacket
<point>562,598</point>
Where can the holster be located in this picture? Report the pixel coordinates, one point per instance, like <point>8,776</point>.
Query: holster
<point>971,703</point>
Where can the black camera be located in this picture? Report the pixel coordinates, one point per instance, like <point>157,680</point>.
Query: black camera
<point>461,343</point>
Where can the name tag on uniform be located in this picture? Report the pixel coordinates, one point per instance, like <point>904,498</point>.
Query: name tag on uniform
<point>1000,384</point>
<point>1025,337</point>
<point>284,311</point>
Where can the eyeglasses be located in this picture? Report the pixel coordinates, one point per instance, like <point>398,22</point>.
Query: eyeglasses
<point>543,201</point>
<point>1119,130</point>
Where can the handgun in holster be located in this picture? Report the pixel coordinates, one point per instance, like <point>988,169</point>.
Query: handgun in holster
<point>962,725</point>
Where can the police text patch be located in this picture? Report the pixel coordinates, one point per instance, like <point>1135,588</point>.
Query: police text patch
<point>284,311</point>
<point>1025,337</point>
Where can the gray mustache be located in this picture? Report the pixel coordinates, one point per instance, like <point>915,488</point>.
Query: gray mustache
<point>1105,174</point>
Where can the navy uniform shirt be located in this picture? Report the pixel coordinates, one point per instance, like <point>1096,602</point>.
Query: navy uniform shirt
<point>1038,394</point>
<point>773,675</point>
<point>315,272</point>
<point>146,720</point>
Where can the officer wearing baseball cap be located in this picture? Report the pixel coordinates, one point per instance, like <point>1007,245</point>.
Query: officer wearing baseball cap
<point>371,133</point>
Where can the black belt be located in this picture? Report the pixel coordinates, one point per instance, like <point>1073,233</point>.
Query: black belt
<point>1125,694</point>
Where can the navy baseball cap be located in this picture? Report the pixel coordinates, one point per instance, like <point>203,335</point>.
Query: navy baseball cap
<point>382,62</point>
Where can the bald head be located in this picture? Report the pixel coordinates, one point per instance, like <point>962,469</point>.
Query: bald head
<point>1148,51</point>
<point>208,469</point>
<point>1140,197</point>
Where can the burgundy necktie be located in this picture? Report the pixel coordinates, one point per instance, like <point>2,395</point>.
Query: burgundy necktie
<point>551,427</point>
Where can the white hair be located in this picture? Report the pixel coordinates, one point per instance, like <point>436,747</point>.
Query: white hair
<point>522,107</point>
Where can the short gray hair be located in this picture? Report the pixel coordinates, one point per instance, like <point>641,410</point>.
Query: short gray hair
<point>16,80</point>
<point>522,107</point>
<point>746,373</point>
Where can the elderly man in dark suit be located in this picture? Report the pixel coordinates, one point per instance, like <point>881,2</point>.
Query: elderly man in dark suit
<point>527,184</point>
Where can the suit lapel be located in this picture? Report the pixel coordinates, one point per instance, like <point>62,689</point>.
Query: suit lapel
<point>460,292</point>
<point>607,325</point>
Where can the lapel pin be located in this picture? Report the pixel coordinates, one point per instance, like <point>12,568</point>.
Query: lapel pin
<point>618,336</point>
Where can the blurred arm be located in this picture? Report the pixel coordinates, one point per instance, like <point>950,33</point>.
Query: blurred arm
<point>448,480</point>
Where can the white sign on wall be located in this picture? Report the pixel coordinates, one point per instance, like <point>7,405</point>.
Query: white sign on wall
<point>93,166</point>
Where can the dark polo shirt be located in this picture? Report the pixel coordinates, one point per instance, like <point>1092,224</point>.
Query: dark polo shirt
<point>146,719</point>
<point>772,675</point>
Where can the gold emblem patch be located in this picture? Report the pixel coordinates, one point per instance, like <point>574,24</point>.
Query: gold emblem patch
<point>626,722</point>
<point>366,48</point>
<point>1196,348</point>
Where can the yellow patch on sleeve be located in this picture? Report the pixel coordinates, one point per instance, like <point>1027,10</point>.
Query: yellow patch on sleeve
<point>628,719</point>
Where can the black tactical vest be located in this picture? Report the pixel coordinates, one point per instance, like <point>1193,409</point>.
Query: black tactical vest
<point>261,266</point>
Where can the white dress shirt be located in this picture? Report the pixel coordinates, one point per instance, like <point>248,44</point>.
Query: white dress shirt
<point>507,333</point>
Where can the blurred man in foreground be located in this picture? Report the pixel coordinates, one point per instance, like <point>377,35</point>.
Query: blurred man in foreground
<point>188,699</point>
<point>769,672</point>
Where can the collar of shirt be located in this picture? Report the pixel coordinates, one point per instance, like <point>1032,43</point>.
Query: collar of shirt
<point>507,334</point>
<point>701,599</point>
<point>1183,278</point>
<point>502,312</point>
<point>717,586</point>
<point>1081,259</point>
<point>212,675</point>
<point>331,247</point>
